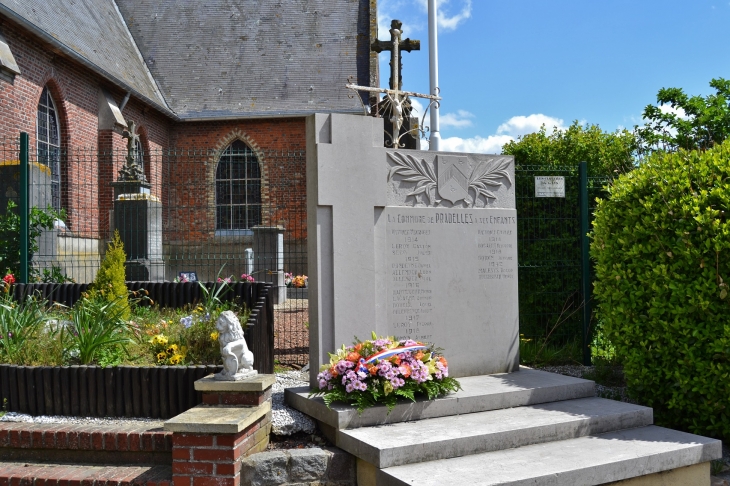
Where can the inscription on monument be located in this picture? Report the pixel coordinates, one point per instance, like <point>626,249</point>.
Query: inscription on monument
<point>443,263</point>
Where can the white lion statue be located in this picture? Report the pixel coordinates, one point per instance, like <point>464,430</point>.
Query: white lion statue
<point>237,359</point>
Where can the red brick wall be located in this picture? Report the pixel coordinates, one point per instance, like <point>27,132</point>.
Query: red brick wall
<point>283,188</point>
<point>74,89</point>
<point>184,182</point>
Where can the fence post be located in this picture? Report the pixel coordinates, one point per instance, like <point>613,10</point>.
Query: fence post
<point>585,262</point>
<point>23,208</point>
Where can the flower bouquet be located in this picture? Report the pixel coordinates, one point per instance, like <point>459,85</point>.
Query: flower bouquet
<point>298,282</point>
<point>381,370</point>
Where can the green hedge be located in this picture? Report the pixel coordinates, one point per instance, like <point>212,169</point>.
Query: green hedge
<point>662,247</point>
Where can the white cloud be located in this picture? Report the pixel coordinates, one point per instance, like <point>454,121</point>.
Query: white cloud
<point>506,132</point>
<point>451,14</point>
<point>675,111</point>
<point>490,145</point>
<point>460,119</point>
<point>522,125</point>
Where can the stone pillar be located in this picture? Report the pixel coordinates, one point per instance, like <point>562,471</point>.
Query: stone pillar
<point>210,441</point>
<point>138,217</point>
<point>268,253</point>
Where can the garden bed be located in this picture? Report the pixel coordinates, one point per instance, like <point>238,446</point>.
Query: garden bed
<point>131,391</point>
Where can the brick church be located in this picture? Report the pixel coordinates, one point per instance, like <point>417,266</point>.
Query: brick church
<point>218,92</point>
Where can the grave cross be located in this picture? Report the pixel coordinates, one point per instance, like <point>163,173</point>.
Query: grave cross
<point>131,171</point>
<point>395,45</point>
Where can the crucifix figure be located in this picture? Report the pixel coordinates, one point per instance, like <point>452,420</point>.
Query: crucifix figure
<point>395,46</point>
<point>131,171</point>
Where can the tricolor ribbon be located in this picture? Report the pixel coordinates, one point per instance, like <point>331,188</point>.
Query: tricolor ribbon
<point>391,352</point>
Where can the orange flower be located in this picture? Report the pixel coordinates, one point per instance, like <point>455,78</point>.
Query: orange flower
<point>405,370</point>
<point>419,355</point>
<point>354,357</point>
<point>333,372</point>
<point>397,361</point>
<point>358,347</point>
<point>373,370</point>
<point>442,360</point>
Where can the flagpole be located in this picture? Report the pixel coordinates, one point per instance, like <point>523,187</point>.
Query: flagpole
<point>433,65</point>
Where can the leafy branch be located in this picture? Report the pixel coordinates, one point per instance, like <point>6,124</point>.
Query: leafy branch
<point>486,174</point>
<point>413,170</point>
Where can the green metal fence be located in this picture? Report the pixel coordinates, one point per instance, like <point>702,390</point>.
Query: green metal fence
<point>206,211</point>
<point>554,267</point>
<point>201,212</point>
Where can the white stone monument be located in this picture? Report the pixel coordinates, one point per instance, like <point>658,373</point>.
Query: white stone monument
<point>237,359</point>
<point>415,244</point>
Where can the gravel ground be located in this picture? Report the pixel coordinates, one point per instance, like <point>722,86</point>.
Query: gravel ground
<point>285,421</point>
<point>579,371</point>
<point>291,335</point>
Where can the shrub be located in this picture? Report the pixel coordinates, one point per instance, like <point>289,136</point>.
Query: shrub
<point>109,281</point>
<point>661,241</point>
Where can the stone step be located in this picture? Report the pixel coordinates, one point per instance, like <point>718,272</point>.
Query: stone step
<point>453,436</point>
<point>25,473</point>
<point>479,394</point>
<point>585,461</point>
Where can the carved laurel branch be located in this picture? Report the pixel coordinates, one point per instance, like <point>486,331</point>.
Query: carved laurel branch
<point>414,170</point>
<point>486,174</point>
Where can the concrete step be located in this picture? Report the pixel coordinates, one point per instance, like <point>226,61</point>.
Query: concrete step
<point>584,461</point>
<point>479,393</point>
<point>25,473</point>
<point>453,436</point>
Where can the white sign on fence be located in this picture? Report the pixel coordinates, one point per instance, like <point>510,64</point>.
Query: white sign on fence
<point>549,186</point>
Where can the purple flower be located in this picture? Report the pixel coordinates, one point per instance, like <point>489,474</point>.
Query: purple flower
<point>322,383</point>
<point>349,388</point>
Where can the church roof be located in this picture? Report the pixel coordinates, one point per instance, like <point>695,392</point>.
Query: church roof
<point>226,58</point>
<point>94,33</point>
<point>218,58</point>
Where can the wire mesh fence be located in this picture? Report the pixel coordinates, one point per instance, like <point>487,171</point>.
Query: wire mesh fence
<point>207,214</point>
<point>549,253</point>
<point>195,214</point>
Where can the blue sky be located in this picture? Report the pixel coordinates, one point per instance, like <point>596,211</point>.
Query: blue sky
<point>506,67</point>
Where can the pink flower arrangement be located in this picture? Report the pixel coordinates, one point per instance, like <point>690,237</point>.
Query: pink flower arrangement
<point>382,369</point>
<point>247,278</point>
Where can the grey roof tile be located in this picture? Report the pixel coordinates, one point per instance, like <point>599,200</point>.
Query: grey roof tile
<point>230,58</point>
<point>95,31</point>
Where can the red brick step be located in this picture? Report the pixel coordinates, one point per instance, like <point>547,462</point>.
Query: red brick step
<point>88,444</point>
<point>34,474</point>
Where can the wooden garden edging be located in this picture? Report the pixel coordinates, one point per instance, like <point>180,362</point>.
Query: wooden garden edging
<point>129,391</point>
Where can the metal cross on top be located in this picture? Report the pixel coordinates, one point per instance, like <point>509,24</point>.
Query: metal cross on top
<point>395,46</point>
<point>395,96</point>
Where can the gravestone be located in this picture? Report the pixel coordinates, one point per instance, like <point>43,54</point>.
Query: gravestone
<point>415,244</point>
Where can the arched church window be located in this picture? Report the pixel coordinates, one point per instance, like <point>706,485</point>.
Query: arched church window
<point>139,154</point>
<point>237,189</point>
<point>49,143</point>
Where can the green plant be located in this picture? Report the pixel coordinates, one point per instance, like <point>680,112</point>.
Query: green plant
<point>110,282</point>
<point>543,352</point>
<point>661,242</point>
<point>601,347</point>
<point>691,123</point>
<point>19,324</point>
<point>96,326</point>
<point>38,221</point>
<point>212,296</point>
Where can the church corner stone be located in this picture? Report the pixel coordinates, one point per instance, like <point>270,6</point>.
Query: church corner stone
<point>416,244</point>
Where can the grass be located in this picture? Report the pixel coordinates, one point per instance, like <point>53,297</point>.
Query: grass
<point>536,352</point>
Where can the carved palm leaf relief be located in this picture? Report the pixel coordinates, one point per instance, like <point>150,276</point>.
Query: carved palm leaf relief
<point>488,174</point>
<point>414,170</point>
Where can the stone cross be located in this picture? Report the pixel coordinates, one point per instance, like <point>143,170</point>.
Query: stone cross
<point>131,171</point>
<point>395,45</point>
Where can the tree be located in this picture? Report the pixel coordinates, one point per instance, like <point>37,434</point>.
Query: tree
<point>690,123</point>
<point>607,154</point>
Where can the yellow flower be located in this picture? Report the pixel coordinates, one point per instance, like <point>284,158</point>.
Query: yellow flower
<point>161,357</point>
<point>387,388</point>
<point>214,335</point>
<point>176,359</point>
<point>172,349</point>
